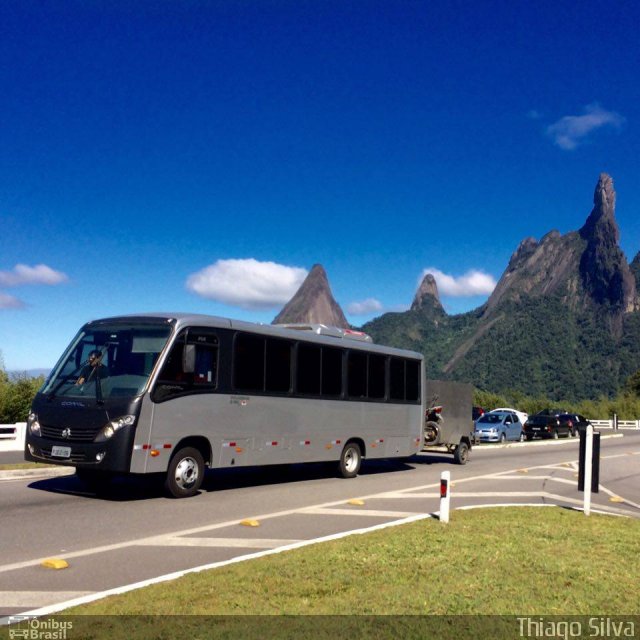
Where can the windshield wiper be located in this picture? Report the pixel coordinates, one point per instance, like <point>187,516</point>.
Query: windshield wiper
<point>99,399</point>
<point>52,394</point>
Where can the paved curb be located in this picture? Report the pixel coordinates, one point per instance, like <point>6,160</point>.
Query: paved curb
<point>545,442</point>
<point>48,472</point>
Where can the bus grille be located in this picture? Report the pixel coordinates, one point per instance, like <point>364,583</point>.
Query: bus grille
<point>78,434</point>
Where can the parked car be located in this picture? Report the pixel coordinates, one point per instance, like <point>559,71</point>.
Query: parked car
<point>476,412</point>
<point>547,424</point>
<point>499,426</point>
<point>576,422</point>
<point>521,414</point>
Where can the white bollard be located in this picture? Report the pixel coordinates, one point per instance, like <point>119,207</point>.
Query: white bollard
<point>588,454</point>
<point>445,479</point>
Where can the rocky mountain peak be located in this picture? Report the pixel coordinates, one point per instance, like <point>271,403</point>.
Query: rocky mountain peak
<point>313,303</point>
<point>601,220</point>
<point>603,267</point>
<point>427,295</point>
<point>583,267</point>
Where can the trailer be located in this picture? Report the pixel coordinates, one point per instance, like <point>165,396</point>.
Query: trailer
<point>448,425</point>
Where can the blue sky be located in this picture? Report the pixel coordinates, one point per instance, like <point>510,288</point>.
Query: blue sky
<point>202,156</point>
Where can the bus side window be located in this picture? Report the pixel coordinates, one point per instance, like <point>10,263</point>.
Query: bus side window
<point>413,381</point>
<point>248,362</point>
<point>308,368</point>
<point>174,381</point>
<point>331,372</point>
<point>404,380</point>
<point>397,379</point>
<point>376,378</point>
<point>357,374</point>
<point>205,372</point>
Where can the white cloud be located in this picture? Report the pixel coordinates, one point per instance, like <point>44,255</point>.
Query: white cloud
<point>472,283</point>
<point>23,274</point>
<point>9,302</point>
<point>247,283</point>
<point>570,131</point>
<point>363,307</point>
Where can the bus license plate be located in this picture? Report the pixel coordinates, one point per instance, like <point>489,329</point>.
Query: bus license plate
<point>61,452</point>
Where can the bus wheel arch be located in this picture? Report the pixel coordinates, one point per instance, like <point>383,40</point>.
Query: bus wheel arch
<point>200,443</point>
<point>351,458</point>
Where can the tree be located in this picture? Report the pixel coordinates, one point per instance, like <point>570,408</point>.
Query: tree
<point>16,395</point>
<point>4,389</point>
<point>19,397</point>
<point>632,385</point>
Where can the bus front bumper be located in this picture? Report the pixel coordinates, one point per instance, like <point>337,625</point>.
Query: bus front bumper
<point>102,455</point>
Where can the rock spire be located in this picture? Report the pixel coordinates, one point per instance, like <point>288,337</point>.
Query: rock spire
<point>427,295</point>
<point>313,303</point>
<point>604,269</point>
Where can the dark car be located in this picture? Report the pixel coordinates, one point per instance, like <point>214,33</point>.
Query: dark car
<point>476,412</point>
<point>547,424</point>
<point>575,422</point>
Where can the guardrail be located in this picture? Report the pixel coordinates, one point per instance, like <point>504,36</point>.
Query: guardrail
<point>12,436</point>
<point>614,423</point>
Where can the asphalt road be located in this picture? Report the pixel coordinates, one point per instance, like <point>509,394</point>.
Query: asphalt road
<point>133,533</point>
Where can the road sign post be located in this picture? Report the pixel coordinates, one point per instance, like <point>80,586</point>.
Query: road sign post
<point>589,466</point>
<point>445,480</point>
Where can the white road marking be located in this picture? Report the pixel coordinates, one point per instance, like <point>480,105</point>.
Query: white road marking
<point>247,543</point>
<point>361,512</point>
<point>17,599</point>
<point>545,478</point>
<point>612,494</point>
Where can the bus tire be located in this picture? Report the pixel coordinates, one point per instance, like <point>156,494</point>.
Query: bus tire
<point>350,460</point>
<point>185,473</point>
<point>461,454</point>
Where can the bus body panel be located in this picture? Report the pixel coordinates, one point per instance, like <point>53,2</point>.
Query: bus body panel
<point>231,426</point>
<point>256,430</point>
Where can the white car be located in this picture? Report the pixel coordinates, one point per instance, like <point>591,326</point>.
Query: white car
<point>522,416</point>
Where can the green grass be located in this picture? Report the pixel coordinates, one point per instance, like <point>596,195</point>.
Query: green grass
<point>421,580</point>
<point>13,466</point>
<point>520,561</point>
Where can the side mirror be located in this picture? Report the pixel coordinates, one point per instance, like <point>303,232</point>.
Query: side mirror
<point>189,358</point>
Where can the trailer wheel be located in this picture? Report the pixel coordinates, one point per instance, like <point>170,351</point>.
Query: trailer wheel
<point>185,473</point>
<point>350,460</point>
<point>461,454</point>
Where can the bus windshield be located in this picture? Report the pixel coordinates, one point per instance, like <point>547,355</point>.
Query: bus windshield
<point>107,360</point>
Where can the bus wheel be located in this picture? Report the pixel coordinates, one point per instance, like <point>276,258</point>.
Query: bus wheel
<point>350,460</point>
<point>185,473</point>
<point>461,454</point>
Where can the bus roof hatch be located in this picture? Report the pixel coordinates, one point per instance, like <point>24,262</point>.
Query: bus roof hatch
<point>324,330</point>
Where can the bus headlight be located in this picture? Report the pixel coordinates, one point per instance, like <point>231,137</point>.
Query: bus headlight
<point>33,425</point>
<point>112,426</point>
